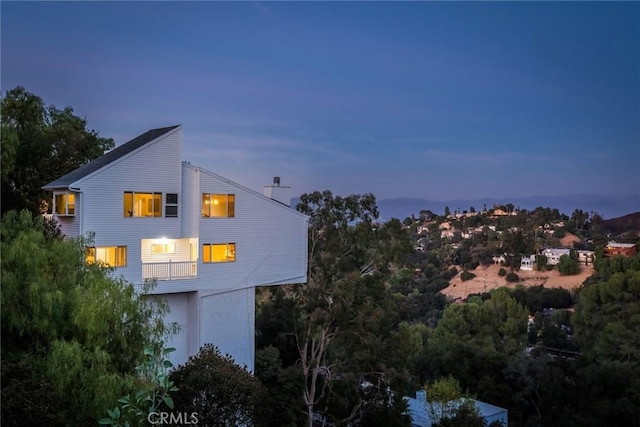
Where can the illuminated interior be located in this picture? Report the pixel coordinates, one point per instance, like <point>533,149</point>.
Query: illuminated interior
<point>64,204</point>
<point>218,252</point>
<point>110,256</point>
<point>218,205</point>
<point>142,204</point>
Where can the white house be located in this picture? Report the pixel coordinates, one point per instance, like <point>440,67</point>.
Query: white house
<point>553,254</point>
<point>207,241</point>
<point>527,262</point>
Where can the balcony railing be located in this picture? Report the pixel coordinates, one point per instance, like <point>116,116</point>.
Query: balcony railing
<point>172,270</point>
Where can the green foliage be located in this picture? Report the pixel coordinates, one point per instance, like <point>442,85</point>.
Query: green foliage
<point>466,275</point>
<point>567,265</point>
<point>219,391</point>
<point>607,318</point>
<point>79,330</point>
<point>39,144</point>
<point>502,272</point>
<point>152,396</point>
<point>448,406</point>
<point>512,277</point>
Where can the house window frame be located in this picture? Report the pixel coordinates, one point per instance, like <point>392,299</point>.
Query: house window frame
<point>208,202</point>
<point>208,253</point>
<point>168,205</point>
<point>155,195</point>
<point>120,255</point>
<point>69,208</point>
<point>163,248</point>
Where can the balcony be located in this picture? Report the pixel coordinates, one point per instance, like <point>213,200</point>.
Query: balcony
<point>172,270</point>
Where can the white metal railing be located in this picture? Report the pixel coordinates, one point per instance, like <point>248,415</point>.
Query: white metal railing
<point>171,270</point>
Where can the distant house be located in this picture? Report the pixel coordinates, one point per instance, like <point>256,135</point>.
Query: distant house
<point>620,249</point>
<point>585,257</point>
<point>202,237</point>
<point>499,259</point>
<point>527,262</point>
<point>553,254</point>
<point>417,409</point>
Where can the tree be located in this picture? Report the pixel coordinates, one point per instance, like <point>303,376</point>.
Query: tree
<point>447,212</point>
<point>220,392</point>
<point>39,144</point>
<point>567,265</point>
<point>343,317</point>
<point>75,332</point>
<point>448,406</point>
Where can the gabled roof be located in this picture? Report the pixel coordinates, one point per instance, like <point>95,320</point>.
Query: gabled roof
<point>108,158</point>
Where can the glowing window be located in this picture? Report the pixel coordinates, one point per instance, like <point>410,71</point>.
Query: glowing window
<point>218,252</point>
<point>218,205</point>
<point>142,204</point>
<point>163,248</point>
<point>108,256</point>
<point>64,204</point>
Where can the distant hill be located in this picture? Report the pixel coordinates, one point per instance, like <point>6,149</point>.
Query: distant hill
<point>623,224</point>
<point>606,206</point>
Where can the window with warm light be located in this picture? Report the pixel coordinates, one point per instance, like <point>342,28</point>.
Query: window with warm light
<point>142,204</point>
<point>218,252</point>
<point>109,256</point>
<point>64,204</point>
<point>163,248</point>
<point>218,205</point>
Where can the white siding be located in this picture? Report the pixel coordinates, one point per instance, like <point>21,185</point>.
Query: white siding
<point>156,167</point>
<point>218,305</point>
<point>227,320</point>
<point>190,204</point>
<point>182,306</point>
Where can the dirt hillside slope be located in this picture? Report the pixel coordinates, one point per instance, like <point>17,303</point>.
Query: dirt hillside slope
<point>487,279</point>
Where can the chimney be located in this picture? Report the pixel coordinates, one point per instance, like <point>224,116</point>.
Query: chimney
<point>278,193</point>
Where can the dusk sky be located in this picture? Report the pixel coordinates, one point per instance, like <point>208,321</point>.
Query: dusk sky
<point>438,100</point>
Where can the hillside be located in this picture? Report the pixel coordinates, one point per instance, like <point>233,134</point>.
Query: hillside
<point>623,224</point>
<point>487,278</point>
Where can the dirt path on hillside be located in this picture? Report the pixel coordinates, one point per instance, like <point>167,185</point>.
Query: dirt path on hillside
<point>487,279</point>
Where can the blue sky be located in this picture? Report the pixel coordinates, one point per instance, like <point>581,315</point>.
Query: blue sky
<point>439,100</point>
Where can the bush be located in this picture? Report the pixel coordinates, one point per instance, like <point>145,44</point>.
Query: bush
<point>502,272</point>
<point>512,277</point>
<point>465,275</point>
<point>219,391</point>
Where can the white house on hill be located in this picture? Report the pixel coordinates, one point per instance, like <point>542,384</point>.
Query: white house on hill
<point>208,241</point>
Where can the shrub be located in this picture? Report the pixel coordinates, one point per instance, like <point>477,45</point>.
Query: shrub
<point>502,272</point>
<point>512,277</point>
<point>466,275</point>
<point>219,391</point>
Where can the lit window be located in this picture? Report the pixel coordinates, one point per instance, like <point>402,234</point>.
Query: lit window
<point>142,204</point>
<point>64,204</point>
<point>218,205</point>
<point>218,252</point>
<point>108,256</point>
<point>163,248</point>
<point>171,205</point>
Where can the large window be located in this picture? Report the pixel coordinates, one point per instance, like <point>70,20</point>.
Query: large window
<point>64,203</point>
<point>218,205</point>
<point>218,252</point>
<point>142,204</point>
<point>110,256</point>
<point>163,248</point>
<point>171,205</point>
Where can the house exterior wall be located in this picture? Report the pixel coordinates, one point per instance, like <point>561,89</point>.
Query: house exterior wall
<point>216,303</point>
<point>227,320</point>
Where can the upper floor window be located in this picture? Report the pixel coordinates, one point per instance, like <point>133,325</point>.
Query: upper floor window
<point>142,204</point>
<point>171,205</point>
<point>218,252</point>
<point>110,256</point>
<point>218,205</point>
<point>64,203</point>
